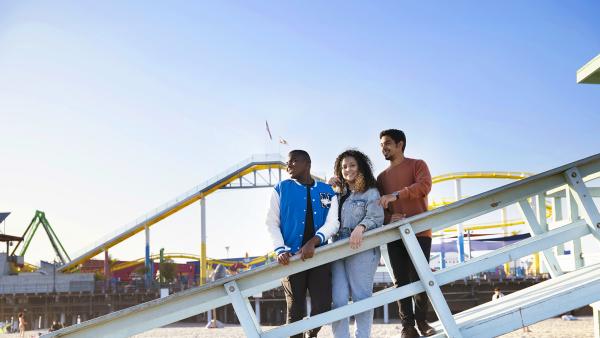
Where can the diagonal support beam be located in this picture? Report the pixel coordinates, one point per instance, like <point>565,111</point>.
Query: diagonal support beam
<point>536,229</point>
<point>584,199</point>
<point>429,282</point>
<point>508,253</point>
<point>243,310</point>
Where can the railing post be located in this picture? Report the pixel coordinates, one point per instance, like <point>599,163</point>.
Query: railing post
<point>388,263</point>
<point>596,312</point>
<point>541,217</point>
<point>536,229</point>
<point>386,314</point>
<point>581,194</point>
<point>460,239</point>
<point>429,281</point>
<point>557,215</point>
<point>243,310</point>
<point>573,214</point>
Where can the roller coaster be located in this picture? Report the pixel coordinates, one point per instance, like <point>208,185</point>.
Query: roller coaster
<point>258,171</point>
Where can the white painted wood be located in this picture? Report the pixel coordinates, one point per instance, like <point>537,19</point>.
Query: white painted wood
<point>528,306</point>
<point>514,251</point>
<point>429,281</point>
<point>590,72</point>
<point>584,200</point>
<point>557,216</point>
<point>386,314</point>
<point>190,302</point>
<point>536,229</point>
<point>573,212</point>
<point>386,259</point>
<point>560,191</point>
<point>243,310</point>
<point>596,314</point>
<point>378,299</point>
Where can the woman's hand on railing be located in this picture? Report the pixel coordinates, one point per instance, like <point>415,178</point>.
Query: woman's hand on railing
<point>356,236</point>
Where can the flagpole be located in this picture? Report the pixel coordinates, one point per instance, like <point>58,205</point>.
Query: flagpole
<point>270,137</point>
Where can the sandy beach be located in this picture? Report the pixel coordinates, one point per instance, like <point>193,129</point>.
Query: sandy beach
<point>551,328</point>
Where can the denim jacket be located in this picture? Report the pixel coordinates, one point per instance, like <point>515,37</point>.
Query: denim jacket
<point>360,208</point>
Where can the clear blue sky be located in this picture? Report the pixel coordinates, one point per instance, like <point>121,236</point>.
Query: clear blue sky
<point>110,109</point>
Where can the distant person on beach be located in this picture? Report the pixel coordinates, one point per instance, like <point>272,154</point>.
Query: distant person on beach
<point>301,216</point>
<point>497,294</point>
<point>404,187</point>
<point>359,211</point>
<point>22,324</point>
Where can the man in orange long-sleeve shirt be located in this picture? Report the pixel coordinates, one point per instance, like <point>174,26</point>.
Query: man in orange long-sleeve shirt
<point>404,187</point>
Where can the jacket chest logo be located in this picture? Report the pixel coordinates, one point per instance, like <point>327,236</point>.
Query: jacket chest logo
<point>325,199</point>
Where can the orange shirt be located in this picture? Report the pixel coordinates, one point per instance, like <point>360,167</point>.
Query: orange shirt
<point>411,178</point>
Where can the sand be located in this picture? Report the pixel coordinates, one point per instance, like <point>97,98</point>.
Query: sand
<point>551,328</point>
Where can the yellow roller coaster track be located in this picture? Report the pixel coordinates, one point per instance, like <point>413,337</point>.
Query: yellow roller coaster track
<point>210,187</point>
<point>71,266</point>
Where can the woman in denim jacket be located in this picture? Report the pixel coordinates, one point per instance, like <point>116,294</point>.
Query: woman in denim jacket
<point>359,212</point>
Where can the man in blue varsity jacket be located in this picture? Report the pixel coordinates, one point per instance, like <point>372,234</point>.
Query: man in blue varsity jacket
<point>303,215</point>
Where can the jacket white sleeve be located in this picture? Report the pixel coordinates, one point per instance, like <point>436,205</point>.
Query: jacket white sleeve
<point>332,223</point>
<point>272,223</point>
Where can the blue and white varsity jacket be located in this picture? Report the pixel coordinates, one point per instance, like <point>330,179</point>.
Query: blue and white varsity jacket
<point>287,212</point>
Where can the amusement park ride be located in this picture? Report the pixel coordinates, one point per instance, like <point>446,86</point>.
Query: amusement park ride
<point>259,171</point>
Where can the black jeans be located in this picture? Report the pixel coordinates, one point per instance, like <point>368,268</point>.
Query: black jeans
<point>318,283</point>
<point>405,273</point>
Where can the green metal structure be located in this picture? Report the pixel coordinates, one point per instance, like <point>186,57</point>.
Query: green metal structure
<point>40,218</point>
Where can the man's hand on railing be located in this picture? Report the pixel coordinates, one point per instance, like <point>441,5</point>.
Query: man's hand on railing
<point>284,258</point>
<point>308,249</point>
<point>385,200</point>
<point>397,217</point>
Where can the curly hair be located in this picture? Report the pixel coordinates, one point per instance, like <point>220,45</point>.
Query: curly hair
<point>365,179</point>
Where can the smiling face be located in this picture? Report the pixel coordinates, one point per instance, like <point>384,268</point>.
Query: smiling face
<point>389,148</point>
<point>349,169</point>
<point>297,166</point>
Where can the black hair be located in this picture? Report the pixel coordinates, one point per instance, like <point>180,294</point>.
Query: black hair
<point>301,153</point>
<point>396,135</point>
<point>365,168</point>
